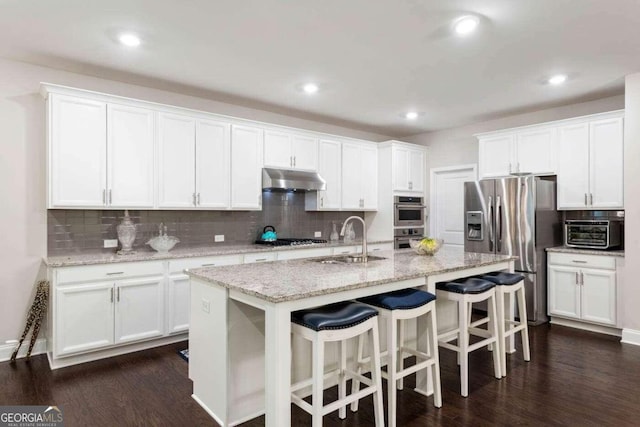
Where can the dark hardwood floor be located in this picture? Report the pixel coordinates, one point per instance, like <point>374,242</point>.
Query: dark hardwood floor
<point>575,378</point>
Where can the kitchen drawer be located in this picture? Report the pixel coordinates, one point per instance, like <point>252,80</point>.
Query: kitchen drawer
<point>304,253</point>
<point>583,260</point>
<point>343,250</point>
<point>260,257</point>
<point>113,271</point>
<point>179,265</point>
<point>380,247</point>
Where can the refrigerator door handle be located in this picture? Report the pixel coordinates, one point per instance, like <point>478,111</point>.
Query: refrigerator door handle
<point>491,224</point>
<point>499,224</point>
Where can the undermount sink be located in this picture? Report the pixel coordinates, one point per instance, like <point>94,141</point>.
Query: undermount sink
<point>348,259</point>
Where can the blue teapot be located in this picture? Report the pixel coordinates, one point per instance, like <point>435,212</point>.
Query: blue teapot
<point>269,233</point>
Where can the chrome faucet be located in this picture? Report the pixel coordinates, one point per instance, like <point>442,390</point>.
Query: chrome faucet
<point>364,234</point>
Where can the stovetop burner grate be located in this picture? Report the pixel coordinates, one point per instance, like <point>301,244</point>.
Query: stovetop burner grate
<point>290,242</point>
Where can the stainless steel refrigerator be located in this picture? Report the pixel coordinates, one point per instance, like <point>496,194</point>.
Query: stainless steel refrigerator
<point>516,216</point>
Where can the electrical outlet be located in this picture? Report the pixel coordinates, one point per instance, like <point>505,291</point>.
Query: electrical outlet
<point>206,305</point>
<point>317,234</point>
<point>110,243</point>
<point>218,238</point>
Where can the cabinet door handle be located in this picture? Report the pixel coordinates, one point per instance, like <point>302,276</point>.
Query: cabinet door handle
<point>585,199</point>
<point>291,161</point>
<point>211,264</point>
<point>410,185</point>
<point>509,167</point>
<point>198,201</point>
<point>294,161</point>
<point>260,259</point>
<point>110,198</point>
<point>104,196</point>
<point>111,294</point>
<point>582,278</point>
<point>114,273</point>
<point>578,261</point>
<point>591,199</point>
<point>193,199</point>
<point>321,202</point>
<point>118,294</point>
<point>577,278</point>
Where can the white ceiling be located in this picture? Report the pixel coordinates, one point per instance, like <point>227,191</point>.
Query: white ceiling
<point>373,59</point>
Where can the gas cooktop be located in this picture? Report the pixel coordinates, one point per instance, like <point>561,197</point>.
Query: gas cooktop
<point>290,242</point>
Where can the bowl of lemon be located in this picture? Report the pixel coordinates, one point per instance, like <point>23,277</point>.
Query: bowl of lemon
<point>426,246</point>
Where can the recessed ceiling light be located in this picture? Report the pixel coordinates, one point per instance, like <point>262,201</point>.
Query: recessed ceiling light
<point>558,79</point>
<point>310,88</point>
<point>411,115</point>
<point>129,39</point>
<point>466,25</point>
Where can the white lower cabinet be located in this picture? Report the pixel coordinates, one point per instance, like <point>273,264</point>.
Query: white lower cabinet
<point>139,309</point>
<point>90,315</point>
<point>583,287</point>
<point>84,317</point>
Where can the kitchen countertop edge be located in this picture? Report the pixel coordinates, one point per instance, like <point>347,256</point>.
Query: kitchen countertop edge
<point>57,261</point>
<point>567,250</point>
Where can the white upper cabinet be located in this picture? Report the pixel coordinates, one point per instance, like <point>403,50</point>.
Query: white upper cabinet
<point>246,167</point>
<point>213,152</point>
<point>176,161</point>
<point>290,151</point>
<point>193,162</point>
<point>496,155</point>
<point>535,151</point>
<point>591,165</point>
<point>606,164</point>
<point>573,166</point>
<point>519,152</point>
<point>130,157</point>
<point>77,152</point>
<point>408,169</point>
<point>359,176</point>
<point>330,169</point>
<point>102,155</point>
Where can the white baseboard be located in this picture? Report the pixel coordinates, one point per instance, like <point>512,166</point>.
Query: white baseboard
<point>6,350</point>
<point>630,336</point>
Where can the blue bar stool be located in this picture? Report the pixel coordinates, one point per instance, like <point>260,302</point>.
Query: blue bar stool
<point>510,285</point>
<point>395,307</point>
<point>338,322</point>
<point>465,292</point>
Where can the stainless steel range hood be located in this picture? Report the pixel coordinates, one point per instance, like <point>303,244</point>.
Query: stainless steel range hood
<point>283,179</point>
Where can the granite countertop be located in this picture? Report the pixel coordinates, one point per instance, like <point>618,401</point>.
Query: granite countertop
<point>565,249</point>
<point>291,280</point>
<point>90,258</point>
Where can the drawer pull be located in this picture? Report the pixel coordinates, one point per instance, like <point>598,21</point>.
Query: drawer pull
<point>212,264</point>
<point>260,259</point>
<point>115,273</point>
<point>579,262</point>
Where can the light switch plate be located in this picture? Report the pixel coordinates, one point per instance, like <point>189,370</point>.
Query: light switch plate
<point>206,305</point>
<point>110,243</point>
<point>218,238</point>
<point>317,234</point>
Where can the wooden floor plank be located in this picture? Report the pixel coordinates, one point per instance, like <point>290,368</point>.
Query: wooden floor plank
<point>575,378</point>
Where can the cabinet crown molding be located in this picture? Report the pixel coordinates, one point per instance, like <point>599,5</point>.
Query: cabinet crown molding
<point>562,122</point>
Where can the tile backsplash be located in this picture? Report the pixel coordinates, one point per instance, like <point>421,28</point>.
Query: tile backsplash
<point>71,231</point>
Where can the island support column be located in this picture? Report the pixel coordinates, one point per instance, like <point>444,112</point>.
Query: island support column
<point>277,365</point>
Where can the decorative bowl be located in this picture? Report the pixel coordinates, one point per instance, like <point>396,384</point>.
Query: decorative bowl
<point>421,249</point>
<point>163,244</point>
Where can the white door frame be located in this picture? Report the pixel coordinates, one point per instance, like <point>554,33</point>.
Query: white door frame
<point>432,189</point>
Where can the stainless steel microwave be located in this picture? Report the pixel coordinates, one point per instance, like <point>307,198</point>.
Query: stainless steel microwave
<point>592,234</point>
<point>409,211</point>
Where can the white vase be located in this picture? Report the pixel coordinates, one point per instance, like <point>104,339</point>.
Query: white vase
<point>126,234</point>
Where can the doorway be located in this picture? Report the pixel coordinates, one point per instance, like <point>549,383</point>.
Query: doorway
<point>447,202</point>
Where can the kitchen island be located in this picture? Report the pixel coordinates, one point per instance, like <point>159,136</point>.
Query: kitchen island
<point>239,340</point>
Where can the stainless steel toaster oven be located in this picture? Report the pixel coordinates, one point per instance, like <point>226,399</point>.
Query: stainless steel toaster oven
<point>592,234</point>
